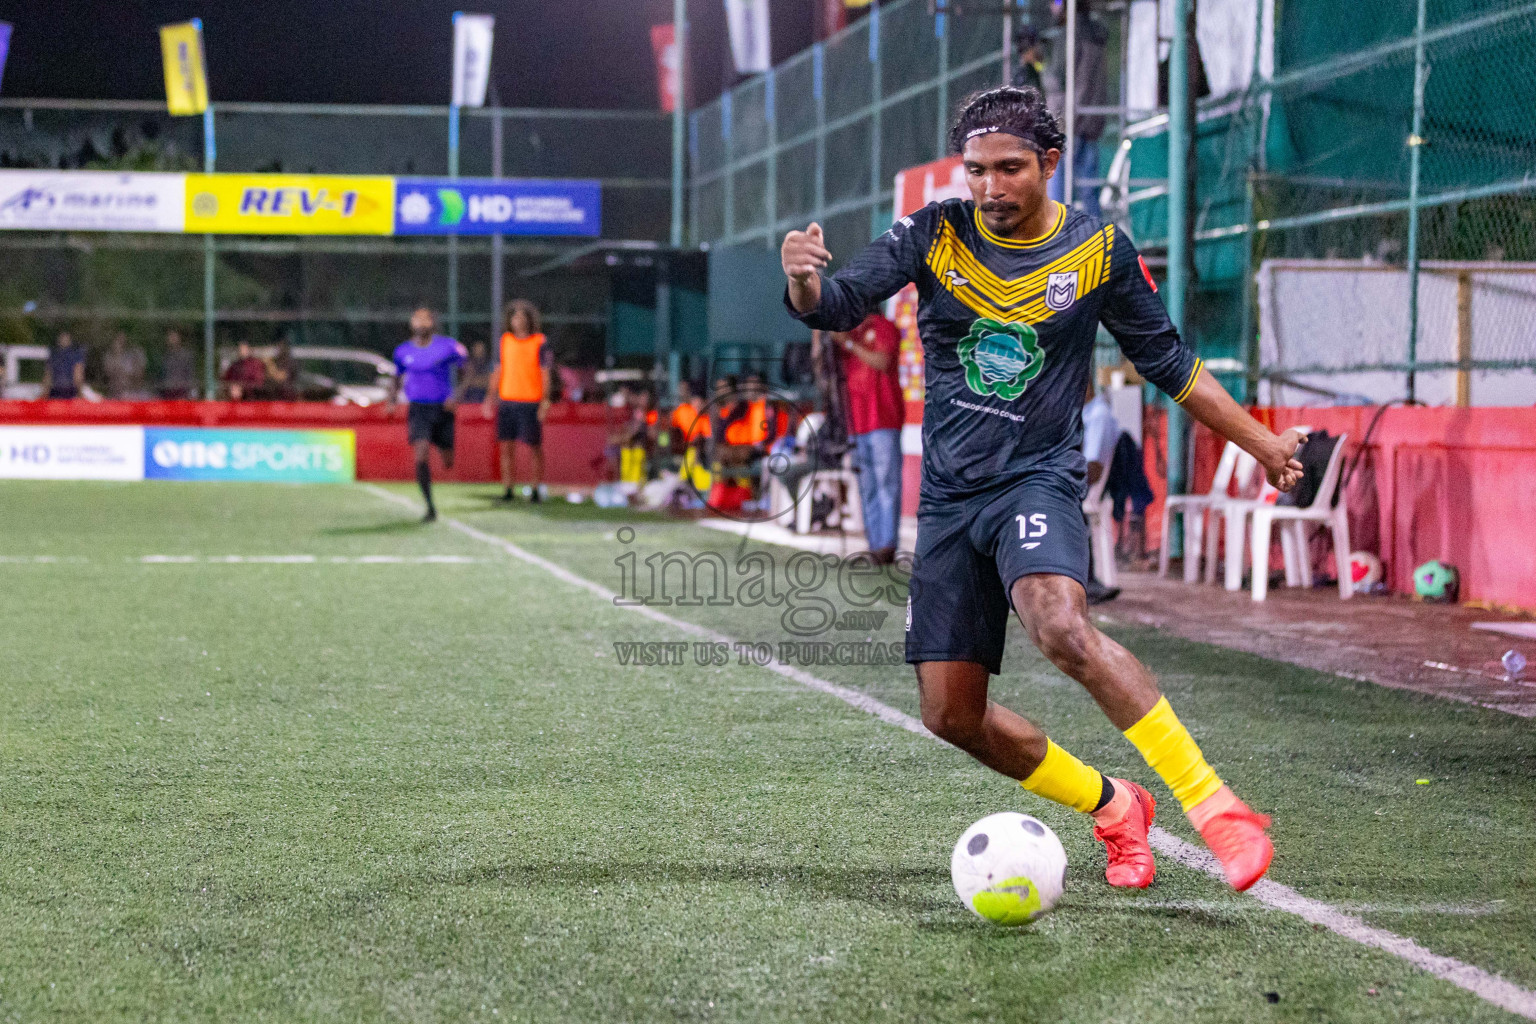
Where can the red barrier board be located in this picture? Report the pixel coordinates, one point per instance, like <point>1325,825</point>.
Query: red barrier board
<point>574,433</point>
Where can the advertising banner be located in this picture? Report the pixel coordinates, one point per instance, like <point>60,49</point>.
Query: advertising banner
<point>283,456</point>
<point>289,204</point>
<point>482,206</point>
<point>92,201</point>
<point>186,76</point>
<point>72,453</point>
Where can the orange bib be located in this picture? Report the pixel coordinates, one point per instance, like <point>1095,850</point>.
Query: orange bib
<point>522,368</point>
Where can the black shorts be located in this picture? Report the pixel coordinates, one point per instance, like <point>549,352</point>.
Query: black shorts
<point>519,421</point>
<point>430,421</point>
<point>971,552</point>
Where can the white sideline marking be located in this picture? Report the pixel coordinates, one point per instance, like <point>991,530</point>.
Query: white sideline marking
<point>1488,987</point>
<point>305,560</point>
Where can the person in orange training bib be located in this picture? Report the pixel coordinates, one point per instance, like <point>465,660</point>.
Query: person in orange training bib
<point>1013,290</point>
<point>519,395</point>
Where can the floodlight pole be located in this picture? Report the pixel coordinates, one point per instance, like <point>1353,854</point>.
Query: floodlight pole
<point>1415,145</point>
<point>210,355</point>
<point>679,105</point>
<point>1179,128</point>
<point>452,318</point>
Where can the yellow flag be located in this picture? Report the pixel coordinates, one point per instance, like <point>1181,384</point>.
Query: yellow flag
<point>186,80</point>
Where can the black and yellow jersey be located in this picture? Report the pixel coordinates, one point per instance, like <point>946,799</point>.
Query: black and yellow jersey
<point>1008,330</point>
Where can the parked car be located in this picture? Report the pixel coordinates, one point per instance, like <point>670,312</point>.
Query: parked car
<point>342,376</point>
<point>24,368</point>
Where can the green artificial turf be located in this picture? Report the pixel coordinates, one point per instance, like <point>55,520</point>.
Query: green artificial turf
<point>365,790</point>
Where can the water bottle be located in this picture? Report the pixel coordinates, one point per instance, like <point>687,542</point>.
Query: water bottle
<point>1514,664</point>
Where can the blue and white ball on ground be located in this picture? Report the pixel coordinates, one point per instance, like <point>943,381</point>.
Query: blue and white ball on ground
<point>1009,868</point>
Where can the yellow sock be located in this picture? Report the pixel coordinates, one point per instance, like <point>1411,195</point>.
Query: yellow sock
<point>1173,754</point>
<point>1066,780</point>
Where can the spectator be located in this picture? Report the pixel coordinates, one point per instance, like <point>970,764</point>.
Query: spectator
<point>869,355</point>
<point>1092,91</point>
<point>1031,66</point>
<point>688,423</point>
<point>282,374</point>
<point>65,373</point>
<point>475,376</point>
<point>178,371</point>
<point>750,425</point>
<point>246,375</point>
<point>520,397</point>
<point>124,368</point>
<point>1101,432</point>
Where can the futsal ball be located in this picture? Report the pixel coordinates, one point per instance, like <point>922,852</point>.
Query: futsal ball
<point>1435,581</point>
<point>1009,868</point>
<point>1364,569</point>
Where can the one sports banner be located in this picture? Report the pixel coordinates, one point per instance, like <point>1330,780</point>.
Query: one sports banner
<point>186,74</point>
<point>472,37</point>
<point>751,48</point>
<point>289,204</point>
<point>92,201</point>
<point>464,206</point>
<point>281,456</point>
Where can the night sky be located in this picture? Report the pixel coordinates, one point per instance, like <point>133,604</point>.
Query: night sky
<point>575,53</point>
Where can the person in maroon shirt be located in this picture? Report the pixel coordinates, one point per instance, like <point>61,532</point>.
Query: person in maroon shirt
<point>245,376</point>
<point>869,355</point>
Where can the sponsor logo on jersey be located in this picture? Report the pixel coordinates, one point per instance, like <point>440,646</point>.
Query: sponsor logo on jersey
<point>1000,359</point>
<point>1061,290</point>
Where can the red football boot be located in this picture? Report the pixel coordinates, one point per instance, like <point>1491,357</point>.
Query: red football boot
<point>1235,834</point>
<point>1125,842</point>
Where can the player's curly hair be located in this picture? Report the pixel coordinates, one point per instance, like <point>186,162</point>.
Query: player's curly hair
<point>1019,112</point>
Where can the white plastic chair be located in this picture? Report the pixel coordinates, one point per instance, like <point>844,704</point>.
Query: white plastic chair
<point>1101,530</point>
<point>1248,484</point>
<point>1293,524</point>
<point>1234,515</point>
<point>1192,508</point>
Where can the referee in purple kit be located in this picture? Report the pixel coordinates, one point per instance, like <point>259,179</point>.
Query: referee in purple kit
<point>424,366</point>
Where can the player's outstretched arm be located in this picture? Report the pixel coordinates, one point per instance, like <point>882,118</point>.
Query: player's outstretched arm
<point>840,302</point>
<point>1209,403</point>
<point>804,254</point>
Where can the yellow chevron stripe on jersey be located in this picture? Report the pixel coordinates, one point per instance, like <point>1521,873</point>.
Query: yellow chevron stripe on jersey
<point>1189,385</point>
<point>1027,243</point>
<point>967,279</point>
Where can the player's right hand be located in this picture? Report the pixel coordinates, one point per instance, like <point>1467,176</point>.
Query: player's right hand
<point>1285,470</point>
<point>804,253</point>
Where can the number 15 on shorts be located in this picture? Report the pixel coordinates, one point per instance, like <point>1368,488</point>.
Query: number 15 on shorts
<point>1031,528</point>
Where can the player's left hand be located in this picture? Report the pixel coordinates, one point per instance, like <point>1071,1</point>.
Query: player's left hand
<point>1283,469</point>
<point>543,409</point>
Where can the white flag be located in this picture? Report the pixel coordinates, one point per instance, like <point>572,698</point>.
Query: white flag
<point>748,22</point>
<point>471,57</point>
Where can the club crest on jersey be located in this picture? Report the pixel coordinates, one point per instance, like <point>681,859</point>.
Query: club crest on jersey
<point>1061,290</point>
<point>1000,359</point>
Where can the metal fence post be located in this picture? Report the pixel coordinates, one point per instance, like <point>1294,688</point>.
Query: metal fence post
<point>876,121</point>
<point>941,33</point>
<point>729,184</point>
<point>210,353</point>
<point>498,288</point>
<point>771,200</point>
<point>1179,128</point>
<point>818,88</point>
<point>453,239</point>
<point>1069,105</point>
<point>1415,144</point>
<point>679,105</point>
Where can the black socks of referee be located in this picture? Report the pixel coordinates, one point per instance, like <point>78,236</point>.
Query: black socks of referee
<point>424,481</point>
